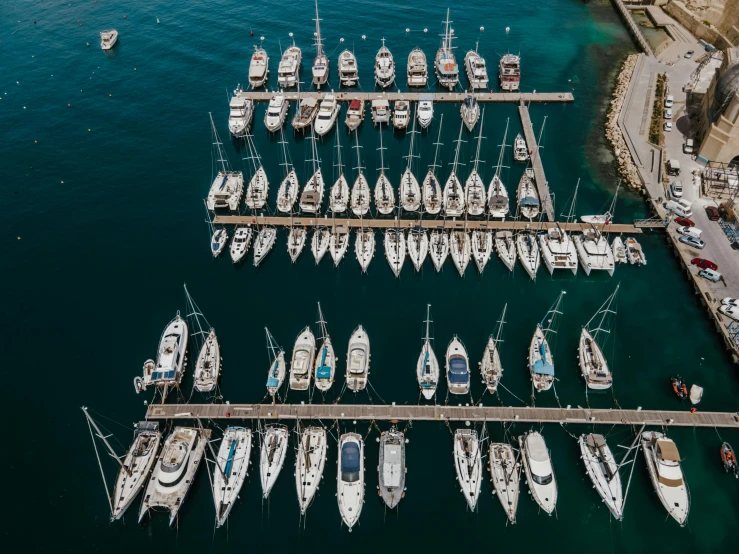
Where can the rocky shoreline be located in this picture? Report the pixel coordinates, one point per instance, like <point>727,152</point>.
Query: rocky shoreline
<point>626,167</point>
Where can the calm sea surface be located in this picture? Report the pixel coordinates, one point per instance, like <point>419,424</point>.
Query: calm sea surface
<point>104,162</point>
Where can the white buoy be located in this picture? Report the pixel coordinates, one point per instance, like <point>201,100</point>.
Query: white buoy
<point>341,40</point>
<point>261,38</point>
<point>315,34</point>
<point>407,30</point>
<point>364,37</point>
<point>290,34</point>
<point>425,30</point>
<point>482,28</point>
<point>507,29</point>
<point>467,423</point>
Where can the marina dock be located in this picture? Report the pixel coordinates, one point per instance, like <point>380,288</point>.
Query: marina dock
<point>347,96</point>
<point>369,412</point>
<point>533,146</point>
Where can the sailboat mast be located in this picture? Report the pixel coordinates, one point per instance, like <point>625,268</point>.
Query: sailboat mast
<point>502,149</point>
<point>479,140</point>
<point>319,44</point>
<point>413,135</point>
<point>105,440</point>
<point>218,145</point>
<point>428,320</point>
<point>283,142</point>
<point>604,310</point>
<point>338,155</point>
<point>456,152</point>
<point>500,326</point>
<point>437,144</point>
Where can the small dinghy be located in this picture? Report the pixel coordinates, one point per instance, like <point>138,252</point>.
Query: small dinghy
<point>619,251</point>
<point>728,457</point>
<point>679,387</point>
<point>272,456</point>
<point>468,463</point>
<point>505,475</point>
<point>539,470</point>
<point>634,252</point>
<point>311,459</point>
<point>392,466</point>
<point>108,39</point>
<point>696,394</point>
<point>350,478</point>
<point>233,467</point>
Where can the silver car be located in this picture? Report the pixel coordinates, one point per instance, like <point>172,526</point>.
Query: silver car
<point>692,242</point>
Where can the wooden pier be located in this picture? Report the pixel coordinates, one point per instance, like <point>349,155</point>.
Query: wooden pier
<point>347,96</point>
<point>539,178</point>
<point>371,412</point>
<point>448,224</point>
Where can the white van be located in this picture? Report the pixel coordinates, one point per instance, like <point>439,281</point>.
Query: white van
<point>690,232</point>
<point>668,101</point>
<point>681,208</point>
<point>688,148</point>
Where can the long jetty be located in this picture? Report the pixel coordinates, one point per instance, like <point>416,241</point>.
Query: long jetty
<point>371,412</point>
<point>539,178</point>
<point>347,96</point>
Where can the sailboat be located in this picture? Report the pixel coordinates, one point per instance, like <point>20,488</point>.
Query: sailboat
<point>663,463</point>
<point>320,62</point>
<point>325,366</point>
<point>384,193</point>
<point>228,185</point>
<point>392,468</point>
<point>474,188</point>
<point>539,470</point>
<point>453,193</point>
<point>171,358</point>
<point>296,241</point>
<point>276,373</point>
<point>602,469</point>
<point>309,464</point>
<point>418,246</point>
<point>287,194</point>
<point>498,202</point>
<point>208,363</point>
<point>438,248</point>
<point>218,237</point>
<point>395,249</point>
<point>528,198</point>
<point>350,478</point>
<point>312,197</point>
<point>528,252</point>
<point>468,463</point>
<point>506,248</point>
<point>490,367</point>
<point>603,219</point>
<point>410,192</point>
<point>272,456</point>
<point>240,243</point>
<point>505,474</point>
<point>320,242</point>
<point>364,247</point>
<point>339,198</point>
<point>232,467</point>
<point>593,363</point>
<point>357,360</point>
<point>432,196</point>
<point>258,188</point>
<point>338,243</point>
<point>447,70</point>
<point>301,365</point>
<point>427,367</point>
<point>461,250</point>
<point>541,360</point>
<point>263,243</point>
<point>557,248</point>
<point>470,111</point>
<point>457,368</point>
<point>482,247</point>
<point>360,199</point>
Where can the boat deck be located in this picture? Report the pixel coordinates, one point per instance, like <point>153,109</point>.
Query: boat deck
<point>540,179</point>
<point>347,96</point>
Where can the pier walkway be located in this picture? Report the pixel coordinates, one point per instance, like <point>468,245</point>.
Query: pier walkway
<point>347,96</point>
<point>633,27</point>
<point>533,146</point>
<point>441,413</point>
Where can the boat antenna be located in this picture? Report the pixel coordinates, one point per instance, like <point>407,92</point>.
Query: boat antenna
<point>437,144</point>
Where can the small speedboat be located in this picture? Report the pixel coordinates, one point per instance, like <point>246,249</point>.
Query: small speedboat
<point>350,478</point>
<point>240,243</point>
<point>696,394</point>
<point>468,463</point>
<point>728,457</point>
<point>539,471</point>
<point>679,387</point>
<point>634,252</point>
<point>663,463</point>
<point>108,39</point>
<point>272,456</point>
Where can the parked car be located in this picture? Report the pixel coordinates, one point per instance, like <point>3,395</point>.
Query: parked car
<point>668,113</point>
<point>684,221</point>
<point>688,146</point>
<point>692,242</point>
<point>690,232</point>
<point>689,54</point>
<point>731,311</point>
<point>676,189</point>
<point>673,167</point>
<point>704,264</point>
<point>730,301</point>
<point>669,99</point>
<point>667,126</point>
<point>711,275</point>
<point>712,213</point>
<point>679,207</point>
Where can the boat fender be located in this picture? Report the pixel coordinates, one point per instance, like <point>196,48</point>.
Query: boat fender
<point>693,410</point>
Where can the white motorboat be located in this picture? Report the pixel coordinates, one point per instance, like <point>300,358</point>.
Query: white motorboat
<point>320,67</point>
<point>348,69</point>
<point>506,248</point>
<point>338,244</point>
<point>528,198</point>
<point>602,469</point>
<point>417,69</point>
<point>320,243</point>
<point>276,113</point>
<point>634,252</point>
<point>606,218</point>
<point>174,471</point>
<point>257,191</point>
<point>272,456</point>
<point>593,251</point>
<point>357,360</point>
<point>228,185</point>
<point>364,247</point>
<point>263,243</point>
<point>296,242</point>
<point>240,243</point>
<point>418,247</point>
<point>470,111</point>
<point>528,252</point>
<point>592,361</point>
<point>339,196</point>
<point>619,251</point>
<point>309,464</point>
<point>288,72</point>
<point>240,113</point>
<point>490,367</point>
<point>663,463</point>
<point>520,151</point>
<point>539,470</point>
<point>461,250</point>
<point>354,114</point>
<point>171,358</point>
<point>108,39</point>
<point>401,114</point>
<point>474,189</point>
<point>311,199</point>
<point>427,367</point>
<point>432,195</point>
<point>557,250</point>
<point>328,111</point>
<point>232,468</point>
<point>438,248</point>
<point>277,368</point>
<point>445,66</point>
<point>350,478</point>
<point>482,248</point>
<point>425,110</point>
<point>505,473</point>
<point>457,367</point>
<point>384,67</point>
<point>454,204</point>
<point>384,191</point>
<point>541,358</point>
<point>325,365</point>
<point>477,72</point>
<point>258,67</point>
<point>301,365</point>
<point>498,202</point>
<point>468,463</point>
<point>380,110</point>
<point>395,250</point>
<point>360,196</point>
<point>510,72</point>
<point>410,192</point>
<point>208,364</point>
<point>218,241</point>
<point>392,468</point>
<point>306,113</point>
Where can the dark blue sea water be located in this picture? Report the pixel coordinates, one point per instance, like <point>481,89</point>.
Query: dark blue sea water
<point>104,162</point>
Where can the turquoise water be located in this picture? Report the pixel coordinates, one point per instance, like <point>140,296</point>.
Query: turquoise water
<point>100,228</point>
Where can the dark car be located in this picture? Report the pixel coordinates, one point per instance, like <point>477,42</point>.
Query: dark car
<point>712,213</point>
<point>704,263</point>
<point>684,221</point>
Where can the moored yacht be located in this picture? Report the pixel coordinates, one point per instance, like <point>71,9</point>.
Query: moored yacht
<point>663,463</point>
<point>509,72</point>
<point>505,475</point>
<point>454,204</point>
<point>410,192</point>
<point>418,247</point>
<point>276,113</point>
<point>425,111</point>
<point>350,478</point>
<point>477,72</point>
<point>592,361</point>
<point>528,252</point>
<point>287,194</point>
<point>482,248</point>
<point>311,199</point>
<point>457,368</point>
<point>258,68</point>
<point>432,195</point>
<point>277,369</point>
<point>474,189</point>
<point>258,189</point>
<point>320,67</point>
<point>296,242</point>
<point>384,191</point>
<point>634,252</point>
<point>417,68</point>
<point>539,471</point>
<point>520,151</point>
<point>109,38</point>
<point>240,243</point>
<point>380,110</point>
<point>506,248</point>
<point>228,185</point>
<point>325,365</point>
<point>306,113</point>
<point>468,463</point>
<point>232,468</point>
<point>310,461</point>
<point>288,71</point>
<point>395,250</point>
<point>357,360</point>
<point>427,367</point>
<point>461,249</point>
<point>263,243</point>
<point>438,248</point>
<point>528,198</point>
<point>338,244</point>
<point>327,114</point>
<point>593,251</point>
<point>384,67</point>
<point>218,241</point>
<point>240,113</point>
<point>490,367</point>
<point>364,247</point>
<point>602,469</point>
<point>301,365</point>
<point>360,195</point>
<point>354,114</point>
<point>320,243</point>
<point>171,358</point>
<point>541,363</point>
<point>401,114</point>
<point>272,456</point>
<point>445,65</point>
<point>348,70</point>
<point>208,364</point>
<point>558,250</point>
<point>392,466</point>
<point>470,112</point>
<point>619,251</point>
<point>498,202</point>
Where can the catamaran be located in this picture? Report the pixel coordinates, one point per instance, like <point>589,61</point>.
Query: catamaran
<point>457,368</point>
<point>482,248</point>
<point>287,194</point>
<point>528,252</point>
<point>510,72</point>
<point>301,365</point>
<point>497,194</point>
<point>477,72</point>
<point>309,464</point>
<point>427,367</point>
<point>539,470</point>
<point>171,358</point>
<point>663,463</point>
<point>339,197</point>
<point>311,198</point>
<point>461,250</point>
<point>602,469</point>
<point>401,114</point>
<point>384,67</point>
<point>320,62</point>
<point>338,243</point>
<point>276,373</point>
<point>410,192</point>
<point>417,68</point>
<point>425,111</point>
<point>470,111</point>
<point>447,70</point>
<point>358,360</point>
<point>350,478</point>
<point>558,250</point>
<point>506,248</point>
<point>325,366</point>
<point>395,249</point>
<point>438,248</point>
<point>541,360</point>
<point>257,191</point>
<point>593,363</point>
<point>232,467</point>
<point>175,471</point>
<point>296,242</point>
<point>258,67</point>
<point>474,189</point>
<point>418,246</point>
<point>276,112</point>
<point>528,198</point>
<point>240,243</point>
<point>354,114</point>
<point>228,185</point>
<point>348,69</point>
<point>468,463</point>
<point>392,466</point>
<point>272,456</point>
<point>384,192</point>
<point>490,367</point>
<point>360,199</point>
<point>505,474</point>
<point>208,363</point>
<point>364,247</point>
<point>453,193</point>
<point>288,72</point>
<point>241,111</point>
<point>328,111</point>
<point>432,196</point>
<point>263,243</point>
<point>594,251</point>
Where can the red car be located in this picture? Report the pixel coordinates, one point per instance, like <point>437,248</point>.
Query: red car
<point>704,264</point>
<point>712,213</point>
<point>684,221</point>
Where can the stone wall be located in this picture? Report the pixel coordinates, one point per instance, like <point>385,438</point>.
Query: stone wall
<point>723,19</point>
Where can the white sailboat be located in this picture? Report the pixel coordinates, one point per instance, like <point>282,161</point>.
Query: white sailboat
<point>468,463</point>
<point>457,368</point>
<point>391,468</point>
<point>228,186</point>
<point>384,192</point>
<point>232,467</point>
<point>263,243</point>
<point>663,463</point>
<point>592,361</point>
<point>311,199</point>
<point>454,204</point>
<point>339,197</point>
<point>474,188</point>
<point>445,66</point>
<point>528,252</point>
<point>410,192</point>
<point>272,456</point>
<point>360,198</point>
<point>338,243</point>
<point>240,243</point>
<point>498,202</point>
<point>288,72</point>
<point>276,112</point>
<point>301,365</point>
<point>470,111</point>
<point>506,248</point>
<point>287,194</point>
<point>258,188</point>
<point>208,363</point>
<point>417,69</point>
<point>348,69</point>
<point>395,250</point>
<point>490,367</point>
<point>357,360</point>
<point>438,248</point>
<point>505,473</point>
<point>277,369</point>
<point>482,247</point>
<point>602,469</point>
<point>328,111</point>
<point>541,359</point>
<point>309,464</point>
<point>218,240</point>
<point>539,471</point>
<point>171,358</point>
<point>605,218</point>
<point>240,114</point>
<point>418,246</point>
<point>427,367</point>
<point>350,478</point>
<point>325,365</point>
<point>528,198</point>
<point>364,247</point>
<point>320,243</point>
<point>432,196</point>
<point>384,67</point>
<point>258,67</point>
<point>296,242</point>
<point>461,250</point>
<point>320,67</point>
